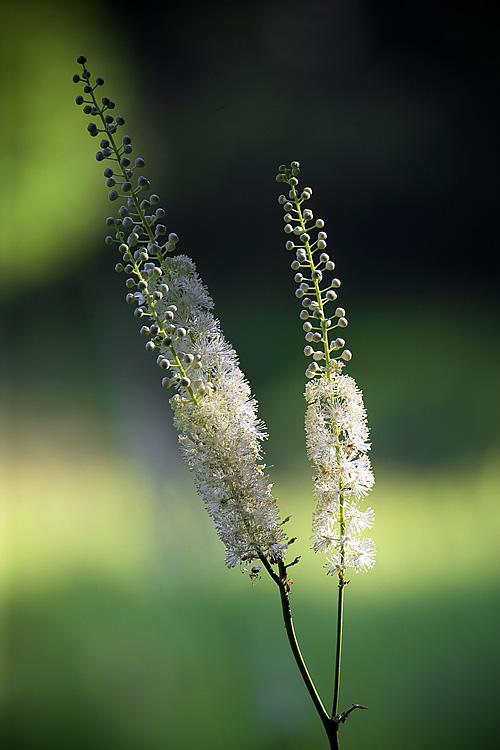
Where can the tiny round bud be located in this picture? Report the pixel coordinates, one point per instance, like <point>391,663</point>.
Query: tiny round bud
<point>288,229</point>
<point>342,322</point>
<point>185,382</point>
<point>139,312</point>
<point>317,275</point>
<point>81,59</point>
<point>112,195</point>
<point>339,312</point>
<point>321,244</point>
<point>289,245</point>
<point>307,327</point>
<point>281,199</point>
<point>317,356</point>
<point>346,355</point>
<point>166,383</point>
<point>298,278</point>
<point>295,265</point>
<point>304,315</point>
<point>308,350</point>
<point>324,258</point>
<point>150,346</point>
<point>330,265</point>
<point>130,299</point>
<point>320,223</point>
<point>119,268</point>
<point>330,295</point>
<point>299,293</point>
<point>317,337</point>
<point>145,331</point>
<point>181,332</point>
<point>335,283</point>
<point>287,218</point>
<point>308,214</point>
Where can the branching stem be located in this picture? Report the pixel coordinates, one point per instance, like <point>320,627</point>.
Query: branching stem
<point>331,724</point>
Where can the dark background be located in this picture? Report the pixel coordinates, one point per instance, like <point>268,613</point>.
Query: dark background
<point>122,627</point>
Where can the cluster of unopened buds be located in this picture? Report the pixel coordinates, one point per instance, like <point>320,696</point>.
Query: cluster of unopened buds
<point>311,262</point>
<point>142,241</point>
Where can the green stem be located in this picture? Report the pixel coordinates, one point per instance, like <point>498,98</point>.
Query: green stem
<point>340,608</point>
<point>336,681</point>
<point>331,726</point>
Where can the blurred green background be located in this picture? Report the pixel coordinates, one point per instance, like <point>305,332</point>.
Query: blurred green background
<point>121,628</point>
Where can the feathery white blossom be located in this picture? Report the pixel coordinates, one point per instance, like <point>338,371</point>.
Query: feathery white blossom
<point>337,442</point>
<point>220,433</point>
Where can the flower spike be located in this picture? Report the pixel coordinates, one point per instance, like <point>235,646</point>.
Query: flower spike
<point>219,432</point>
<point>336,429</point>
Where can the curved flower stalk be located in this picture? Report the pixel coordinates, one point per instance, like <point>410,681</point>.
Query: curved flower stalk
<point>219,432</point>
<point>336,429</point>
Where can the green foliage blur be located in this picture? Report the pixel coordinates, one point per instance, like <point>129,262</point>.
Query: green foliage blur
<point>121,628</point>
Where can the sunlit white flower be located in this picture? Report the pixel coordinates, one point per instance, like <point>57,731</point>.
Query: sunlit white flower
<point>337,442</point>
<point>220,436</point>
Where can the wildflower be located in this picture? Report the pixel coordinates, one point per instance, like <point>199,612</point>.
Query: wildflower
<point>219,432</point>
<point>335,422</point>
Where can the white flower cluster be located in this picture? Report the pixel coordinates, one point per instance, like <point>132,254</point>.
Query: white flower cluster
<point>337,443</point>
<point>219,432</point>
